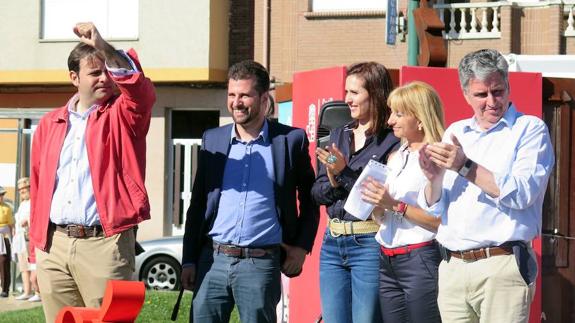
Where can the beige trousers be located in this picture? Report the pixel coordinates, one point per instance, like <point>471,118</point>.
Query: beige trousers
<point>490,290</point>
<point>74,272</point>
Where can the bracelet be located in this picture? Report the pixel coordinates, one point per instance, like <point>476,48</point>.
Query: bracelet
<point>401,209</point>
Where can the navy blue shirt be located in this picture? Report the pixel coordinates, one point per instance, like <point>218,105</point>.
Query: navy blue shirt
<point>376,147</point>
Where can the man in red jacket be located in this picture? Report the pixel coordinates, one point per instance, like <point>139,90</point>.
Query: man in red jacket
<point>87,176</point>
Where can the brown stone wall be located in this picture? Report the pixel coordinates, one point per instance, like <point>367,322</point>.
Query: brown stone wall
<point>570,45</point>
<point>258,29</point>
<point>329,42</point>
<point>299,43</point>
<point>283,39</point>
<point>541,30</point>
<point>241,37</point>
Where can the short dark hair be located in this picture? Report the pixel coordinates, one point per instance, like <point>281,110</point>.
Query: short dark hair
<point>378,84</point>
<point>80,51</point>
<point>246,70</point>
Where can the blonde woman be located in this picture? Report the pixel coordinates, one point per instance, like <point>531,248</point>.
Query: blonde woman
<point>20,240</point>
<point>409,255</point>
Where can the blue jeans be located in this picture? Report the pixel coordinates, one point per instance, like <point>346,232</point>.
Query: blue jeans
<point>349,278</point>
<point>253,284</point>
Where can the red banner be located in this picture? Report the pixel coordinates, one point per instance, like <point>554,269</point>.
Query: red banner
<point>310,91</point>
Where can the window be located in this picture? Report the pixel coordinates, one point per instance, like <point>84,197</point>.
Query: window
<point>346,5</point>
<point>115,19</point>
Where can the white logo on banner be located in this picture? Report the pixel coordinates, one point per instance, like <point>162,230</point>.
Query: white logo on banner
<point>311,127</point>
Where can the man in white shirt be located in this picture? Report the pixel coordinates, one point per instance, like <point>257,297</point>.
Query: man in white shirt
<point>487,181</point>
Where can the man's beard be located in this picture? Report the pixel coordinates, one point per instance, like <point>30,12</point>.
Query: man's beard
<point>242,118</point>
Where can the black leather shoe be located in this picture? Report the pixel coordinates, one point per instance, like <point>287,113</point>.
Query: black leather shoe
<point>3,294</point>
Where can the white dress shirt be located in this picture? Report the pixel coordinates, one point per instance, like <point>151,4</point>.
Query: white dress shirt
<point>73,201</point>
<point>519,153</point>
<point>405,180</point>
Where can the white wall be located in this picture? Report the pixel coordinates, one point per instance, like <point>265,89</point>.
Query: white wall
<point>172,34</point>
<point>157,140</point>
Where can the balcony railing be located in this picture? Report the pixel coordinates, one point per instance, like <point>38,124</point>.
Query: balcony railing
<point>470,20</point>
<point>483,20</point>
<point>568,11</point>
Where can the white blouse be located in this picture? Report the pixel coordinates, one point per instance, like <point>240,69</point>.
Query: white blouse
<point>404,181</point>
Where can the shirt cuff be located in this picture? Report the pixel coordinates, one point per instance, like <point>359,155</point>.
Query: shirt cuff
<point>188,265</point>
<point>121,72</point>
<point>505,186</point>
<point>346,178</point>
<point>436,209</point>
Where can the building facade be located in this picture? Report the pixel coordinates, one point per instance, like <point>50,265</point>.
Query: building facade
<point>183,46</point>
<point>299,35</point>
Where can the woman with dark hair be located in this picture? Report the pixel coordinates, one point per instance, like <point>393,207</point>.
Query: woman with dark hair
<point>349,258</point>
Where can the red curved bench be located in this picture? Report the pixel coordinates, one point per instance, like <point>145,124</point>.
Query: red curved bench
<point>122,302</point>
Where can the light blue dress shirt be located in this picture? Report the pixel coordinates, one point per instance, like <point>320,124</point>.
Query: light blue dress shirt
<point>247,214</point>
<point>519,153</point>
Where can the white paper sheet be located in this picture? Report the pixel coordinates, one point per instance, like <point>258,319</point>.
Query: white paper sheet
<point>354,204</point>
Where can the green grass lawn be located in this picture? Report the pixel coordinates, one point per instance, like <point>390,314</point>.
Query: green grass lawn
<point>157,308</point>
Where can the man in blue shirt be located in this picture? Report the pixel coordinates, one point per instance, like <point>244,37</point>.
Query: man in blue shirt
<point>244,207</point>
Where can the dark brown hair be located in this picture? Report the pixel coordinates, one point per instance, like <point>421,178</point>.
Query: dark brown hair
<point>378,84</point>
<point>80,51</point>
<point>246,70</point>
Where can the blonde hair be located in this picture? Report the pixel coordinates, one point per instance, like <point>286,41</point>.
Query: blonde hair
<point>419,99</point>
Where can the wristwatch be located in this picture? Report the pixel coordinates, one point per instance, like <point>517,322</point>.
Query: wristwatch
<point>464,170</point>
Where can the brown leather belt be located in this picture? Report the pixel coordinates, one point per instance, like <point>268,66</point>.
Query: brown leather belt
<point>472,255</point>
<point>242,252</point>
<point>79,231</point>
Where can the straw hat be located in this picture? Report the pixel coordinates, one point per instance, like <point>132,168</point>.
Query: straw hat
<point>23,182</point>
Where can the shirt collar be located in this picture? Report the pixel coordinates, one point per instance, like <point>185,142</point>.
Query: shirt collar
<point>72,107</point>
<point>507,120</point>
<point>350,126</point>
<point>380,136</point>
<point>262,135</point>
<point>403,148</point>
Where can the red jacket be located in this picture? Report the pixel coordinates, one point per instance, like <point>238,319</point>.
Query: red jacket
<point>116,146</point>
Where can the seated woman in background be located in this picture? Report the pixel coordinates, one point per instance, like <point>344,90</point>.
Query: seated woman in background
<point>409,254</point>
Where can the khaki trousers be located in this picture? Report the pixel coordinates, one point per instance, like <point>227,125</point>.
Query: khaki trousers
<point>490,290</point>
<point>74,271</point>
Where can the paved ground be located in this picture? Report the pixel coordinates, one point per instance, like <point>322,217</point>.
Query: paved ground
<point>10,304</point>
